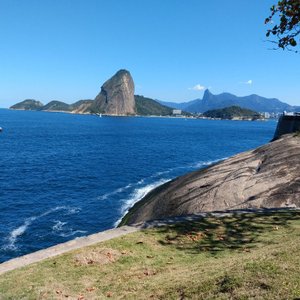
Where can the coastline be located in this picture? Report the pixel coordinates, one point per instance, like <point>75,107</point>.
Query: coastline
<point>82,242</point>
<point>260,178</point>
<point>144,116</point>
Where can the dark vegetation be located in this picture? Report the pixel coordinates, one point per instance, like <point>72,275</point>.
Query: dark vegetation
<point>28,104</point>
<point>285,20</point>
<point>56,106</point>
<point>232,112</point>
<point>146,106</point>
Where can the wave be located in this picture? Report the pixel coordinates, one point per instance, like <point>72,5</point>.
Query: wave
<point>137,195</point>
<point>72,232</point>
<point>140,193</point>
<point>158,175</point>
<point>17,232</point>
<point>115,192</point>
<point>201,164</point>
<point>59,228</point>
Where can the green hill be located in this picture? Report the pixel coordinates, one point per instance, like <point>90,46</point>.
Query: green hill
<point>146,106</point>
<point>28,104</point>
<point>231,113</point>
<point>56,106</point>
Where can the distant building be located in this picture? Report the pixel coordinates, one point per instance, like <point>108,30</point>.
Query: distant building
<point>177,111</point>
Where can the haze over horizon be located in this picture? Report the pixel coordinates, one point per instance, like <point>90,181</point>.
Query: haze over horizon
<point>65,50</point>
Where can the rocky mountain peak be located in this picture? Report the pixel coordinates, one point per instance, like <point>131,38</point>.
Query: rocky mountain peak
<point>117,95</point>
<point>207,95</point>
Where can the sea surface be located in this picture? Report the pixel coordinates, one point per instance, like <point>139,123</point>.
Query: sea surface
<point>64,176</point>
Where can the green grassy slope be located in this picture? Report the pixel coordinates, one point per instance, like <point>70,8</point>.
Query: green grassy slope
<point>28,104</point>
<point>250,256</point>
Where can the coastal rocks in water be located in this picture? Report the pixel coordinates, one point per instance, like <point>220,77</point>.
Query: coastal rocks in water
<point>28,104</point>
<point>267,177</point>
<point>116,96</point>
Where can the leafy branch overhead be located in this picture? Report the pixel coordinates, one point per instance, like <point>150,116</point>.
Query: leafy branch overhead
<point>286,17</point>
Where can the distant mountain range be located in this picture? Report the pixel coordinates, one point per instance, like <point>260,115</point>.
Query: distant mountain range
<point>253,102</point>
<point>144,106</point>
<point>115,98</point>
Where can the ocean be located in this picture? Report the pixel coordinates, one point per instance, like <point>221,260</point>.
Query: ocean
<point>64,176</point>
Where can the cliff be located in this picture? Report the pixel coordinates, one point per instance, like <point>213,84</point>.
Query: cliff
<point>116,96</point>
<point>267,177</point>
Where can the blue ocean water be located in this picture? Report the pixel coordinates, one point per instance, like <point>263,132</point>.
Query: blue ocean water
<point>63,176</point>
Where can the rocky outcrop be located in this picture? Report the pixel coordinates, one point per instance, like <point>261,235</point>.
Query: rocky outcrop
<point>267,177</point>
<point>287,124</point>
<point>116,96</point>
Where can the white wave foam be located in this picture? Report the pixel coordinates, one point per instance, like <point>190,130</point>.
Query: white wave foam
<point>137,195</point>
<point>140,193</point>
<point>17,232</point>
<point>163,173</point>
<point>14,234</point>
<point>71,233</point>
<point>122,189</point>
<point>115,192</point>
<point>201,164</point>
<point>60,229</point>
<point>141,181</point>
<point>58,226</point>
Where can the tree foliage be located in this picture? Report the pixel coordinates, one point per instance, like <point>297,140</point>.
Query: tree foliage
<point>232,112</point>
<point>285,19</point>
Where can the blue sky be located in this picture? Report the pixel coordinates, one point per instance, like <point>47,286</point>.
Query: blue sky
<point>66,49</point>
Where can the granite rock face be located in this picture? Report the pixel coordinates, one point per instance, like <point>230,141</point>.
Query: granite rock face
<point>267,177</point>
<point>116,96</point>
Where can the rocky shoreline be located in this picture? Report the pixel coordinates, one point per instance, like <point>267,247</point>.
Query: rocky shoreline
<point>266,177</point>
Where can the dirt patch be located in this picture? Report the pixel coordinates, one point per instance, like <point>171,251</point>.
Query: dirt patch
<point>97,257</point>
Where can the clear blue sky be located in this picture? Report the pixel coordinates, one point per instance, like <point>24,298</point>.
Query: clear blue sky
<point>66,49</point>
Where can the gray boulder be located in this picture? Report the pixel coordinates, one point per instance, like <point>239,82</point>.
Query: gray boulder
<point>267,177</point>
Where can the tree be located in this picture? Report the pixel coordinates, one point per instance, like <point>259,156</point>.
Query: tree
<point>286,17</point>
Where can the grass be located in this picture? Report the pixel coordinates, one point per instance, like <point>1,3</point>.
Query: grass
<point>249,256</point>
